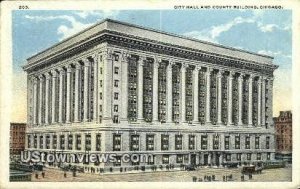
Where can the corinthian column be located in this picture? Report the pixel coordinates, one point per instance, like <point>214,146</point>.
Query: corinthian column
<point>140,116</point>
<point>61,95</point>
<point>86,91</point>
<point>155,90</point>
<point>95,94</point>
<point>196,95</point>
<point>77,92</point>
<point>263,103</point>
<point>68,100</point>
<point>183,96</point>
<point>169,93</point>
<point>35,101</point>
<point>53,100</point>
<point>219,77</point>
<point>107,86</point>
<point>259,102</point>
<point>41,99</point>
<point>240,83</point>
<point>250,101</point>
<point>230,78</point>
<point>208,72</point>
<point>48,77</point>
<point>124,89</point>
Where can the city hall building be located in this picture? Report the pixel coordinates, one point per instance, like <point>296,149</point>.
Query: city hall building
<point>125,89</point>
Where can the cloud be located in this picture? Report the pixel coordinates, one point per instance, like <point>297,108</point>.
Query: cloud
<point>277,53</point>
<point>100,14</point>
<point>271,27</point>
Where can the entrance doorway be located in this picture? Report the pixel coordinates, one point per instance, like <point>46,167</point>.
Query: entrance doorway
<point>205,162</point>
<point>193,159</point>
<point>217,159</point>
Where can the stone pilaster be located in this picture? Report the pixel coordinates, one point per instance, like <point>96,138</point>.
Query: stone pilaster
<point>35,101</point>
<point>53,99</point>
<point>208,73</point>
<point>86,90</point>
<point>183,93</point>
<point>259,102</point>
<point>95,92</point>
<point>196,95</point>
<point>155,90</point>
<point>219,102</point>
<point>61,95</point>
<point>77,92</point>
<point>68,99</point>
<point>250,108</point>
<point>107,86</point>
<point>41,96</point>
<point>240,93</point>
<point>124,89</point>
<point>169,93</point>
<point>140,116</point>
<point>47,101</point>
<point>263,102</point>
<point>230,79</point>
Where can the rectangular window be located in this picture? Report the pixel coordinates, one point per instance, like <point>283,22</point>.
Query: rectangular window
<point>257,142</point>
<point>29,141</point>
<point>47,142</point>
<point>216,142</point>
<point>237,142</point>
<point>249,156</point>
<point>191,142</point>
<point>88,142</point>
<point>258,156</point>
<point>268,156</point>
<point>178,142</point>
<point>116,83</point>
<point>134,143</point>
<point>238,157</point>
<point>54,141</point>
<point>78,142</point>
<point>179,158</point>
<point>164,142</point>
<point>100,96</point>
<point>62,142</point>
<point>101,83</point>
<point>116,70</point>
<point>70,142</point>
<point>100,108</point>
<point>116,119</point>
<point>41,141</point>
<point>98,142</point>
<point>116,142</point>
<point>267,142</point>
<point>228,157</point>
<point>165,159</point>
<point>227,139</point>
<point>247,142</point>
<point>35,142</point>
<point>204,142</point>
<point>116,96</point>
<point>150,142</point>
<point>151,160</point>
<point>116,108</point>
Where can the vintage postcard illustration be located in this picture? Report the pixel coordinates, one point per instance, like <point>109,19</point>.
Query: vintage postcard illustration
<point>185,93</point>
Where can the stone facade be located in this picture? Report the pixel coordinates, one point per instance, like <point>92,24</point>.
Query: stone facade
<point>120,88</point>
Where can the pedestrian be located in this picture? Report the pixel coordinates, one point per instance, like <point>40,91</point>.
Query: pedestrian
<point>242,178</point>
<point>36,175</point>
<point>223,178</point>
<point>65,174</point>
<point>43,174</point>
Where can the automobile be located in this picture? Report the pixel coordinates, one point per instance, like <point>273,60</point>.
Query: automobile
<point>190,167</point>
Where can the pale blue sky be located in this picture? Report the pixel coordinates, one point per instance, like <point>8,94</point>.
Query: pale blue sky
<point>268,32</point>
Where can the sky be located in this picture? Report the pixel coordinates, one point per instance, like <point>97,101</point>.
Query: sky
<point>266,32</point>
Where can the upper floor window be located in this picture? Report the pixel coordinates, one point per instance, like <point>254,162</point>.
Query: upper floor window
<point>164,142</point>
<point>116,70</point>
<point>116,142</point>
<point>116,83</point>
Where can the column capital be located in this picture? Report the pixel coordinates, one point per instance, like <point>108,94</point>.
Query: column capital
<point>157,59</point>
<point>155,64</point>
<point>77,65</point>
<point>54,73</point>
<point>220,73</point>
<point>61,70</point>
<point>86,62</point>
<point>124,56</point>
<point>169,67</point>
<point>69,68</point>
<point>47,75</point>
<point>230,75</point>
<point>197,68</point>
<point>241,76</point>
<point>108,54</point>
<point>141,60</point>
<point>35,80</point>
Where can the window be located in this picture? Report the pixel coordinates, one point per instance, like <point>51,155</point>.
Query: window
<point>116,70</point>
<point>164,142</point>
<point>100,108</point>
<point>98,142</point>
<point>62,142</point>
<point>216,142</point>
<point>249,156</point>
<point>116,142</point>
<point>267,142</point>
<point>165,159</point>
<point>70,142</point>
<point>54,141</point>
<point>134,143</point>
<point>151,160</point>
<point>116,96</point>
<point>35,142</point>
<point>116,108</point>
<point>238,157</point>
<point>227,142</point>
<point>191,142</point>
<point>101,83</point>
<point>116,83</point>
<point>268,156</point>
<point>47,142</point>
<point>29,141</point>
<point>179,158</point>
<point>237,142</point>
<point>41,141</point>
<point>78,142</point>
<point>204,142</point>
<point>247,142</point>
<point>149,142</point>
<point>178,142</point>
<point>88,142</point>
<point>116,119</point>
<point>258,157</point>
<point>100,96</point>
<point>257,142</point>
<point>100,70</point>
<point>228,157</point>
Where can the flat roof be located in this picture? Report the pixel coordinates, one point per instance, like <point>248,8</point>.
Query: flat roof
<point>149,34</point>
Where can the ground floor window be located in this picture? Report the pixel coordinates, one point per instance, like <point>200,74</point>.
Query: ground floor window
<point>165,159</point>
<point>249,156</point>
<point>179,158</point>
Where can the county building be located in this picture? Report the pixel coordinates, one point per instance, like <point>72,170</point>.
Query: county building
<point>125,89</point>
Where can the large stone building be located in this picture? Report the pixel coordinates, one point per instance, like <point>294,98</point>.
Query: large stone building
<point>17,139</point>
<point>121,88</point>
<point>284,136</point>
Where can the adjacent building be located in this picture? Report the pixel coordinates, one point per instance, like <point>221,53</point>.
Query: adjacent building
<point>283,133</point>
<point>17,138</point>
<point>121,88</point>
